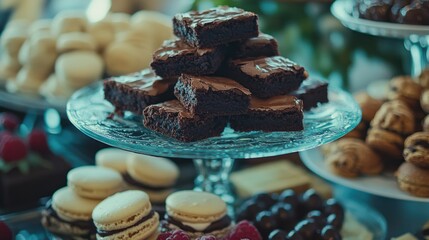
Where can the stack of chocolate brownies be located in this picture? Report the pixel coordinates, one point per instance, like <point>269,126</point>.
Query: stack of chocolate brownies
<point>220,70</point>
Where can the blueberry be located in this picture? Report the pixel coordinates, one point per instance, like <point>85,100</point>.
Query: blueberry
<point>317,216</point>
<point>285,215</point>
<point>294,235</point>
<point>266,199</point>
<point>330,233</point>
<point>265,222</point>
<point>308,229</point>
<point>335,220</point>
<point>312,201</point>
<point>333,206</point>
<point>289,196</point>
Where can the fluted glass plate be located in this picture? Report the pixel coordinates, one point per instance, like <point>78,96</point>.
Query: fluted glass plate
<point>342,9</point>
<point>89,112</point>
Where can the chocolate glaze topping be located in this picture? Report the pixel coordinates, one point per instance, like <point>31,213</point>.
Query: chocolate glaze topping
<point>174,47</point>
<point>283,102</point>
<point>127,178</point>
<point>213,16</point>
<point>173,106</point>
<point>103,233</point>
<point>222,223</point>
<point>49,212</point>
<point>146,80</point>
<point>269,65</point>
<point>213,83</point>
<point>309,84</point>
<point>261,39</point>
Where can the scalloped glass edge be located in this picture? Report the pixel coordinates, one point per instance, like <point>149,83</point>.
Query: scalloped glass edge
<point>339,10</point>
<point>237,151</point>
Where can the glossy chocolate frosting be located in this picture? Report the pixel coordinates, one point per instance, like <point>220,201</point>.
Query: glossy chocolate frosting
<point>309,84</point>
<point>264,67</point>
<point>127,178</point>
<point>173,106</point>
<point>222,223</point>
<point>103,233</point>
<point>283,102</point>
<point>146,80</point>
<point>174,47</point>
<point>213,16</point>
<point>261,40</point>
<point>49,212</point>
<point>213,83</point>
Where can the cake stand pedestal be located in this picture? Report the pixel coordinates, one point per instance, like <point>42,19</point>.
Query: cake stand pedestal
<point>213,157</point>
<point>416,37</point>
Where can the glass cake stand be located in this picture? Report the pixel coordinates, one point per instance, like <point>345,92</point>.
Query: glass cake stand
<point>213,157</point>
<point>416,37</point>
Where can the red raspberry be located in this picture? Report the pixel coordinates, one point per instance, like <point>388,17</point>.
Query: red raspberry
<point>5,232</point>
<point>13,149</point>
<point>4,135</point>
<point>9,121</point>
<point>207,237</point>
<point>174,235</point>
<point>38,142</point>
<point>244,230</point>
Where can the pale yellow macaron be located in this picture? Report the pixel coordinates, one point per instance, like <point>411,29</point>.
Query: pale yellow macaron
<point>94,182</point>
<point>125,215</point>
<point>74,41</point>
<point>197,210</point>
<point>154,175</point>
<point>68,208</point>
<point>113,158</point>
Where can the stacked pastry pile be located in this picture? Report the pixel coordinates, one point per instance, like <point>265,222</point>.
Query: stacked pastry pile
<point>398,135</point>
<point>55,57</point>
<point>226,70</point>
<point>397,11</point>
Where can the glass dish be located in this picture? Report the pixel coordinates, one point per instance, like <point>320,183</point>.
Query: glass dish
<point>383,185</point>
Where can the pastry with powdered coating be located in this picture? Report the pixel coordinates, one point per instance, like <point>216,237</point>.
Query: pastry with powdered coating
<point>155,176</point>
<point>352,157</point>
<point>267,76</point>
<point>385,143</point>
<point>197,213</point>
<point>215,26</point>
<point>68,215</point>
<point>395,116</point>
<point>176,57</point>
<point>413,179</point>
<point>126,215</point>
<point>416,149</point>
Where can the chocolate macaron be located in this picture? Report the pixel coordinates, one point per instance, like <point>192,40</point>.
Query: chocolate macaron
<point>197,213</point>
<point>126,215</point>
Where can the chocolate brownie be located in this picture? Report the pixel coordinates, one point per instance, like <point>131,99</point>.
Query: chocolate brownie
<point>136,91</point>
<point>176,57</point>
<point>312,91</point>
<point>173,120</point>
<point>215,26</point>
<point>267,77</point>
<point>211,96</point>
<point>263,45</point>
<point>279,113</point>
